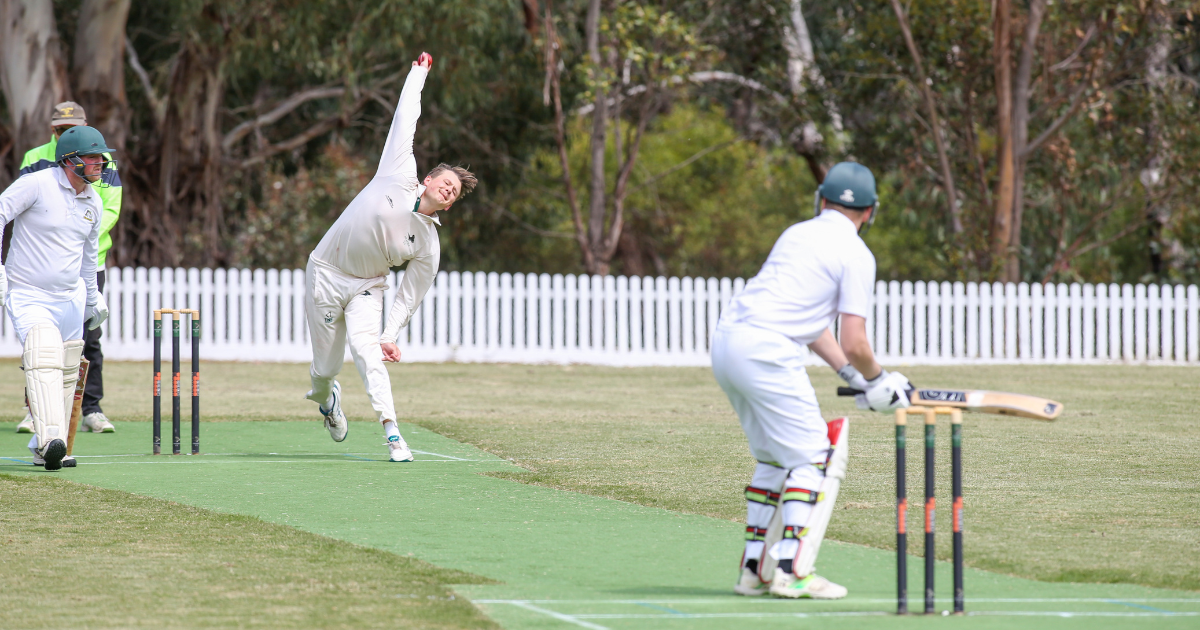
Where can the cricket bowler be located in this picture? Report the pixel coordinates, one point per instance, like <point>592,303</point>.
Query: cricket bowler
<point>391,222</point>
<point>817,270</point>
<point>49,285</point>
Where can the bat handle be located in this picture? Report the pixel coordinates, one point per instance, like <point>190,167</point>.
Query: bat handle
<point>848,391</point>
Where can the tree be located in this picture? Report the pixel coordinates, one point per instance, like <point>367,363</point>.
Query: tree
<point>33,71</point>
<point>638,58</point>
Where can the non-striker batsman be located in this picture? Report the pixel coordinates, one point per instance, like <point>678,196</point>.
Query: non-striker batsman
<point>49,285</point>
<point>818,270</point>
<point>393,221</point>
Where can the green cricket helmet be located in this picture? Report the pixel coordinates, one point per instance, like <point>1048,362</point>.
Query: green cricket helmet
<point>851,185</point>
<point>79,141</point>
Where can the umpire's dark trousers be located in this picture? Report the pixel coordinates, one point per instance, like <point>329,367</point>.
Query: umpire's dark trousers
<point>93,391</point>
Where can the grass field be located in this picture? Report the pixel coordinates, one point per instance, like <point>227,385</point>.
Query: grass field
<point>1104,495</point>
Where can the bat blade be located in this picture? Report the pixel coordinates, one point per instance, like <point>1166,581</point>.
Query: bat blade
<point>983,401</point>
<point>77,405</point>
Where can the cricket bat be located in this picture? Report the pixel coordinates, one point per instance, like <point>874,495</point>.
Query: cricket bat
<point>77,405</point>
<point>983,401</point>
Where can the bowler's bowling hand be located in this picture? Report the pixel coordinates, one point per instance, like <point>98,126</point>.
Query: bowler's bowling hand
<point>391,352</point>
<point>425,61</point>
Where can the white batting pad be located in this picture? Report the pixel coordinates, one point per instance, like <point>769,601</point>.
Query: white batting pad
<point>43,361</point>
<point>818,520</point>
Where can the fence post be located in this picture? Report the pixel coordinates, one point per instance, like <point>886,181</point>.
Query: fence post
<point>637,314</point>
<point>921,318</point>
<point>662,318</point>
<point>1181,334</point>
<point>1153,329</point>
<point>1076,322</point>
<point>973,332</point>
<point>945,312</point>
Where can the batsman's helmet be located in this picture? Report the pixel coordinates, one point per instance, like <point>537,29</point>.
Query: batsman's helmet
<point>80,141</point>
<point>851,185</point>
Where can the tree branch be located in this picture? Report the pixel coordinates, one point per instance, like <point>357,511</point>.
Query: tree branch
<point>282,109</point>
<point>156,104</point>
<point>956,225</point>
<point>707,76</point>
<point>299,140</point>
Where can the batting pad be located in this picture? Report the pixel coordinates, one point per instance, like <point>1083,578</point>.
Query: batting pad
<point>43,361</point>
<point>72,353</point>
<point>818,520</point>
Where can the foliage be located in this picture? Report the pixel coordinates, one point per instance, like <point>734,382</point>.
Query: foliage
<point>1107,196</point>
<point>703,200</point>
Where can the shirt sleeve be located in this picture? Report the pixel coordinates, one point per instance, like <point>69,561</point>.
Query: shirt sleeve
<point>857,286</point>
<point>87,268</point>
<point>397,158</point>
<point>17,198</point>
<point>418,277</point>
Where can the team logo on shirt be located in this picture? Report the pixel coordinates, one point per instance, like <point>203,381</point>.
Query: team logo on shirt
<point>330,316</point>
<point>89,216</point>
<point>412,238</point>
<point>847,196</point>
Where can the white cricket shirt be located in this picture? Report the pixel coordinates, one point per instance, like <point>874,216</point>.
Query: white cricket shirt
<point>56,234</point>
<point>380,229</point>
<point>816,270</point>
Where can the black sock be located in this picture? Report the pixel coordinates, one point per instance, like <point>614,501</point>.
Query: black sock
<point>785,566</point>
<point>752,564</point>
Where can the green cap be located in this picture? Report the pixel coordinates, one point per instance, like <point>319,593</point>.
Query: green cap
<point>849,184</point>
<point>78,141</point>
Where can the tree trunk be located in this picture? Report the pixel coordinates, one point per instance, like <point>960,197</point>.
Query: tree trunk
<point>33,70</point>
<point>808,141</point>
<point>596,198</point>
<point>1020,135</point>
<point>99,68</point>
<point>1002,58</point>
<point>174,213</point>
<point>1161,250</point>
<point>952,212</point>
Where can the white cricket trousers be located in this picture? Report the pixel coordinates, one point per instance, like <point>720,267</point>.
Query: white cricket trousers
<point>27,306</point>
<point>340,307</point>
<point>762,373</point>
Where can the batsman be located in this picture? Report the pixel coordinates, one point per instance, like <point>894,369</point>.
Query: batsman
<point>818,270</point>
<point>49,285</point>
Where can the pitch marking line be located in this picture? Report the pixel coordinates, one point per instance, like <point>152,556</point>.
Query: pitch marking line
<point>892,600</point>
<point>557,615</point>
<point>581,619</point>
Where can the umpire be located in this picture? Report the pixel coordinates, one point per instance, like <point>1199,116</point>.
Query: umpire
<point>65,116</point>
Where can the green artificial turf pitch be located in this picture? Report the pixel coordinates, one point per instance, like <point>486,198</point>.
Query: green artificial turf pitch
<point>625,520</point>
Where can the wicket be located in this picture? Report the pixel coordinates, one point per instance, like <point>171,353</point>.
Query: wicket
<point>931,414</point>
<point>176,315</point>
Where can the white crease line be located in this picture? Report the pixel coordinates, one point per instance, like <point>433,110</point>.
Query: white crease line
<point>559,616</point>
<point>181,462</point>
<point>459,459</point>
<point>732,599</point>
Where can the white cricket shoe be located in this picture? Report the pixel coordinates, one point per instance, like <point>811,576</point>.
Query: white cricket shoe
<point>399,450</point>
<point>811,587</point>
<point>26,425</point>
<point>749,584</point>
<point>335,420</point>
<point>97,422</point>
<point>53,454</point>
<point>38,460</point>
<point>68,462</point>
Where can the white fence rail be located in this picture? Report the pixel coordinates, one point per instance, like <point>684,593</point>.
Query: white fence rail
<point>258,315</point>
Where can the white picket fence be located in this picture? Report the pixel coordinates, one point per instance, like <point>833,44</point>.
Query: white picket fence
<point>258,315</point>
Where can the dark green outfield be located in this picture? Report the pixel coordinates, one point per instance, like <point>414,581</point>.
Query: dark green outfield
<point>561,559</point>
